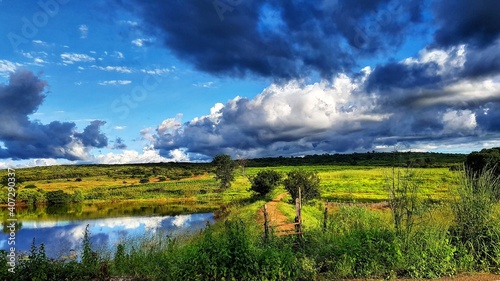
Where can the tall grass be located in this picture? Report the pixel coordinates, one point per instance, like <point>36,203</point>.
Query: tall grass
<point>475,230</point>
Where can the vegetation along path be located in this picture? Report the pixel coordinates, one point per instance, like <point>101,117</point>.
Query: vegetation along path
<point>277,220</point>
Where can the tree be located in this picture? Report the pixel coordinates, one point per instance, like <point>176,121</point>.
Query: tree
<point>57,197</point>
<point>265,181</point>
<point>224,169</point>
<point>307,181</point>
<point>476,162</point>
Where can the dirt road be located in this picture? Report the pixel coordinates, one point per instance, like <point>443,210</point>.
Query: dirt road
<point>281,223</point>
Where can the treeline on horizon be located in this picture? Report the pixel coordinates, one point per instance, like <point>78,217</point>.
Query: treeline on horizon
<point>414,159</point>
<point>181,170</point>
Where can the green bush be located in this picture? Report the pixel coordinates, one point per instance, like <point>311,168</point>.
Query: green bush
<point>77,196</point>
<point>30,186</point>
<point>144,180</point>
<point>430,254</point>
<point>307,181</point>
<point>31,197</point>
<point>57,197</point>
<point>265,181</point>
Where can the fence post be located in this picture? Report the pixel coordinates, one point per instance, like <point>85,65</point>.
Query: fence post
<point>266,224</point>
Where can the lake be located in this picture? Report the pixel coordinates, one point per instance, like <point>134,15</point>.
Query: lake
<point>63,233</point>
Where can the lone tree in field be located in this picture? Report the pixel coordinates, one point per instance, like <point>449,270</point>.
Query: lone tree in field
<point>265,181</point>
<point>224,169</point>
<point>307,181</point>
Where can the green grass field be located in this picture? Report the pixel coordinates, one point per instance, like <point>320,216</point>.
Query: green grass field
<point>338,183</point>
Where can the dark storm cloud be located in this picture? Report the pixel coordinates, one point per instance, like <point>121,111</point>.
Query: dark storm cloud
<point>488,117</point>
<point>465,21</point>
<point>92,135</point>
<point>432,98</point>
<point>278,39</point>
<point>404,76</point>
<point>23,138</point>
<point>476,24</point>
<point>485,62</point>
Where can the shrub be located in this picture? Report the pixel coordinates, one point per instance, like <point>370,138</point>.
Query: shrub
<point>429,254</point>
<point>31,197</point>
<point>307,181</point>
<point>78,179</point>
<point>162,178</point>
<point>77,196</point>
<point>57,197</point>
<point>144,180</point>
<point>265,181</point>
<point>30,186</point>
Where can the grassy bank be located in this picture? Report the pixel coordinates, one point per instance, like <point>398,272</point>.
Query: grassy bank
<point>357,243</point>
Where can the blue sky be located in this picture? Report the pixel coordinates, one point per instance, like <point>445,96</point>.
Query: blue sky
<point>128,81</point>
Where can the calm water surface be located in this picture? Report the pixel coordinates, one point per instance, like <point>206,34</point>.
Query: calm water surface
<point>62,235</point>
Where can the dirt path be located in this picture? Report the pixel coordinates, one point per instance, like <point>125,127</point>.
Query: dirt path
<point>277,219</point>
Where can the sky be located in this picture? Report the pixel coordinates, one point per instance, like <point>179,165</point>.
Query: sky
<point>129,81</point>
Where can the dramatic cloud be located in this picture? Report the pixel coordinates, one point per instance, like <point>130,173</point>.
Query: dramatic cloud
<point>426,106</point>
<point>23,138</point>
<point>286,119</point>
<point>464,22</point>
<point>278,39</point>
<point>476,24</point>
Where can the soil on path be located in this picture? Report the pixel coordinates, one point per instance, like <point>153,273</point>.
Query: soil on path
<point>277,220</point>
